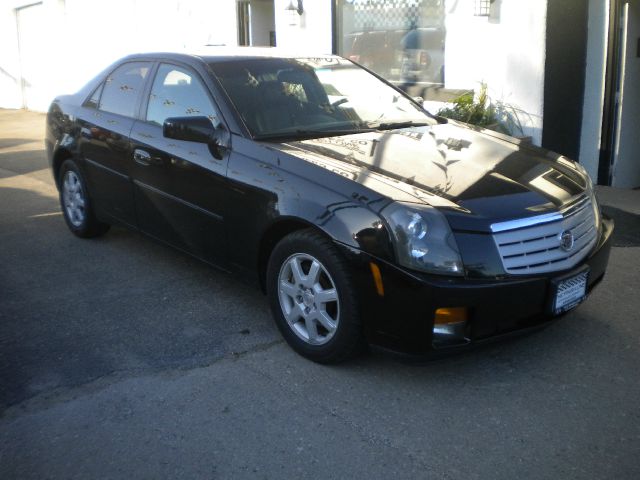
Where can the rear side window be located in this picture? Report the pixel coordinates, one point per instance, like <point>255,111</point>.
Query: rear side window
<point>177,92</point>
<point>122,88</point>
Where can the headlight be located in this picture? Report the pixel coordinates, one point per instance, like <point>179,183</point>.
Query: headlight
<point>423,239</point>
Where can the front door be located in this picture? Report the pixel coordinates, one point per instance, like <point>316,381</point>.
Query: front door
<point>179,186</point>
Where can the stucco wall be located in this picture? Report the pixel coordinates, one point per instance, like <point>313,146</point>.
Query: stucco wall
<point>506,51</point>
<point>262,22</point>
<point>590,137</point>
<point>10,96</point>
<point>84,36</point>
<point>39,33</point>
<point>312,32</point>
<point>81,37</point>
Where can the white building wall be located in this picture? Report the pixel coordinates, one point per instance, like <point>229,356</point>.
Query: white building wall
<point>311,33</point>
<point>10,95</point>
<point>506,51</point>
<point>262,22</point>
<point>594,87</point>
<point>134,26</point>
<point>39,20</point>
<point>81,37</point>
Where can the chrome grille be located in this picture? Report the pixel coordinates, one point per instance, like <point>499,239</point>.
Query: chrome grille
<point>534,245</point>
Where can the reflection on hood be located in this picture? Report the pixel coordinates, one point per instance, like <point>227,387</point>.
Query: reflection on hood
<point>448,165</point>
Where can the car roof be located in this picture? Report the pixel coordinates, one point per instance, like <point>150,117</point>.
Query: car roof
<point>216,53</point>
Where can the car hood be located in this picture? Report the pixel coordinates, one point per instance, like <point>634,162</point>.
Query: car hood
<point>477,176</point>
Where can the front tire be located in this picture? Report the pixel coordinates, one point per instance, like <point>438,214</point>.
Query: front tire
<point>313,299</point>
<point>76,203</point>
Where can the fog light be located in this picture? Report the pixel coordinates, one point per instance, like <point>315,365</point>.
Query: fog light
<point>446,316</point>
<point>449,326</point>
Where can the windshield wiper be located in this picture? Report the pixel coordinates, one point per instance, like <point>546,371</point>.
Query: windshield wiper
<point>304,134</point>
<point>396,125</point>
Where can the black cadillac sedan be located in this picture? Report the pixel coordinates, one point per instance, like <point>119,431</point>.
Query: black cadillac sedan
<point>364,218</point>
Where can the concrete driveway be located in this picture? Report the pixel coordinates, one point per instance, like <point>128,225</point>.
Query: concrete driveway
<point>120,358</point>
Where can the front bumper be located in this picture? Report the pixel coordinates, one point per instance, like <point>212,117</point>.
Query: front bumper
<point>403,318</point>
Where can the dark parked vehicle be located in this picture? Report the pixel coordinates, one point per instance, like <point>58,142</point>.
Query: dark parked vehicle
<point>403,57</point>
<point>363,217</point>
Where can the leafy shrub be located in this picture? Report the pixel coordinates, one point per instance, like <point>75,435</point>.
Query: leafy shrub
<point>479,110</point>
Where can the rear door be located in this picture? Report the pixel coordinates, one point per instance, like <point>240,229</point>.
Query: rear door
<point>179,186</point>
<point>104,140</point>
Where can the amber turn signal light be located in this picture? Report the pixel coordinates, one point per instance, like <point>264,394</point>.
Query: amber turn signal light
<point>377,278</point>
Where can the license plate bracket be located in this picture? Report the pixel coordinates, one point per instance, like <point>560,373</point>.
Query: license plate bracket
<point>568,292</point>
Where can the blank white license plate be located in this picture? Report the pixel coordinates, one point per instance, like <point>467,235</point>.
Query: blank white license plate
<point>570,292</point>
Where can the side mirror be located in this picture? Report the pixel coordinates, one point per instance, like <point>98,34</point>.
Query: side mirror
<point>200,130</point>
<point>191,129</point>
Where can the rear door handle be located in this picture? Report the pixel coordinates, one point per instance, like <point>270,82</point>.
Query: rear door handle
<point>142,157</point>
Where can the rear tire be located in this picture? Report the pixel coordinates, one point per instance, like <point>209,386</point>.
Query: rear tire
<point>76,203</point>
<point>313,299</point>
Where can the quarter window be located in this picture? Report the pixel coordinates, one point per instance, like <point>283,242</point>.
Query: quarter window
<point>177,92</point>
<point>94,100</point>
<point>122,87</point>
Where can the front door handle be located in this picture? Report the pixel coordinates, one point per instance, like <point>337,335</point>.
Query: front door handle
<point>142,157</point>
<point>86,132</point>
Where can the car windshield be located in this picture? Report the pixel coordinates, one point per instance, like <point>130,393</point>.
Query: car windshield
<point>312,97</point>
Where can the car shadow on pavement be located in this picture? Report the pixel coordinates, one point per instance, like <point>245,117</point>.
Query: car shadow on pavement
<point>14,142</point>
<point>23,162</point>
<point>73,310</point>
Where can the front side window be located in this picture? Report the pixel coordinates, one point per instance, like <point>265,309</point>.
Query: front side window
<point>122,88</point>
<point>177,92</point>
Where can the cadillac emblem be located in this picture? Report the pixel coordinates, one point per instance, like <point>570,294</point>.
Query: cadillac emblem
<point>566,240</point>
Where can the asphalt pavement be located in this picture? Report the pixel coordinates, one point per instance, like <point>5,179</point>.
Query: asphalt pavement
<point>122,358</point>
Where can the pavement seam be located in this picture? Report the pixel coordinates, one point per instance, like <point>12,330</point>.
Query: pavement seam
<point>47,399</point>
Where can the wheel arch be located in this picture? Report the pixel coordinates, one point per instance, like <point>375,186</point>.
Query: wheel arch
<point>356,226</point>
<point>273,234</point>
<point>59,156</point>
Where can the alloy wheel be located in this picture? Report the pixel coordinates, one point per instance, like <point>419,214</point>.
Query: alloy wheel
<point>73,198</point>
<point>308,298</point>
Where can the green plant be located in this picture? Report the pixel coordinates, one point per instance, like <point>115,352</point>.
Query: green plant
<point>480,110</point>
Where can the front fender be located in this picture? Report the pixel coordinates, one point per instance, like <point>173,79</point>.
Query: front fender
<point>264,195</point>
<point>345,221</point>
